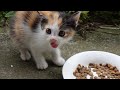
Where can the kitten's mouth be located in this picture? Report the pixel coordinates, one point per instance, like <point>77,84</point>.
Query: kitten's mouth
<point>54,43</point>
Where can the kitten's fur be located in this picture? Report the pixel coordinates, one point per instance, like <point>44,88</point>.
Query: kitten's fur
<point>38,32</point>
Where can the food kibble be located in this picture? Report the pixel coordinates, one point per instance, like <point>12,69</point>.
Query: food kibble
<point>96,71</point>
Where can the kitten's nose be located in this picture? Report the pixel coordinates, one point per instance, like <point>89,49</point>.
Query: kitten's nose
<point>53,40</point>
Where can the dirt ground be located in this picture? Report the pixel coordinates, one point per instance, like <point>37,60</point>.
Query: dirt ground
<point>12,67</point>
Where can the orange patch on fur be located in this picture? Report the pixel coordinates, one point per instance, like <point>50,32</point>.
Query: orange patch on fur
<point>33,16</point>
<point>59,22</point>
<point>70,33</point>
<point>52,16</point>
<point>19,31</point>
<point>18,22</point>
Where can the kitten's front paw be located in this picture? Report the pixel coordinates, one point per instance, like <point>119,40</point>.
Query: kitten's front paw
<point>42,66</point>
<point>60,61</point>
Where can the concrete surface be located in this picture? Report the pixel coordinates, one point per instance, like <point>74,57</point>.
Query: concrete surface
<point>12,67</point>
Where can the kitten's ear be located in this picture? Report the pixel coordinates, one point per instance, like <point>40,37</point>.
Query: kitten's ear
<point>76,17</point>
<point>72,20</point>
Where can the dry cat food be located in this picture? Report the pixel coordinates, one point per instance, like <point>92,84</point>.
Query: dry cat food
<point>96,71</point>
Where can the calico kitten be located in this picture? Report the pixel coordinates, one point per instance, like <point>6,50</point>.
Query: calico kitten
<point>37,32</point>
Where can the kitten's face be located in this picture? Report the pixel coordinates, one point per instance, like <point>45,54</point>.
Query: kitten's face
<point>58,28</point>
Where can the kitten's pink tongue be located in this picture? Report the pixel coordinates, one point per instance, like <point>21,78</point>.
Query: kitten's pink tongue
<point>54,43</point>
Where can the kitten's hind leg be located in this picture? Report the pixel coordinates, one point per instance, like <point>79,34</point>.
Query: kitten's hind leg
<point>24,54</point>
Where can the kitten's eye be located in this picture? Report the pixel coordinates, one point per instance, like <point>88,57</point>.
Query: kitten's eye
<point>48,31</point>
<point>62,33</point>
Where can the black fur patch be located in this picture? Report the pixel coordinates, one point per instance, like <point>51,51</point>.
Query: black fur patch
<point>36,22</point>
<point>27,16</point>
<point>39,20</point>
<point>69,23</point>
<point>62,14</point>
<point>44,21</point>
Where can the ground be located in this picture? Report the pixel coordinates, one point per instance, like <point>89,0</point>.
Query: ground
<point>12,67</point>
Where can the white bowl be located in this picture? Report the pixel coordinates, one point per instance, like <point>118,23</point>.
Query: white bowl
<point>84,58</point>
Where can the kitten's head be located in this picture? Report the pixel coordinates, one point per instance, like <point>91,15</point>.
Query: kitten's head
<point>58,27</point>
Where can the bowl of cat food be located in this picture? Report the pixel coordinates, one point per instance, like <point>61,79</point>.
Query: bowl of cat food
<point>92,65</point>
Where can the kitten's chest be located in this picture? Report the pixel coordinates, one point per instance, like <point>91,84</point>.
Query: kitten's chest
<point>40,44</point>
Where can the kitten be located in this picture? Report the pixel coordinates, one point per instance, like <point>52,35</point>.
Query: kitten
<point>37,32</point>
